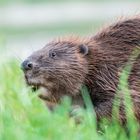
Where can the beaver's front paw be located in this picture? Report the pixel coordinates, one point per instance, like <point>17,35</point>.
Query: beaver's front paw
<point>76,113</point>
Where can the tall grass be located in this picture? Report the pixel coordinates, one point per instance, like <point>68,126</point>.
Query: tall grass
<point>23,116</point>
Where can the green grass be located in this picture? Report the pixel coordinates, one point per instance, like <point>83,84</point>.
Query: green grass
<point>23,116</point>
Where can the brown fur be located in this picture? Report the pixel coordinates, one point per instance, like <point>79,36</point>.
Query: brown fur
<point>99,69</point>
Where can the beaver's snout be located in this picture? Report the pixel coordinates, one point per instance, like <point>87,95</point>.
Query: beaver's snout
<point>26,65</point>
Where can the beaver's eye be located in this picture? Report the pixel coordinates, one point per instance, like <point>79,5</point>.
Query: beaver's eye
<point>52,55</point>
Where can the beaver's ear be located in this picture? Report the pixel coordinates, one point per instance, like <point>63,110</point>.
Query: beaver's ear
<point>83,49</point>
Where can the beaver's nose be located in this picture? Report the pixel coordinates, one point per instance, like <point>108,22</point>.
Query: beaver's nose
<point>26,65</point>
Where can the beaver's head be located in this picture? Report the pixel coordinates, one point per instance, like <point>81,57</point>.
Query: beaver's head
<point>59,64</point>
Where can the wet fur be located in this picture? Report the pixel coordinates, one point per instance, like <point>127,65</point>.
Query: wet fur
<point>99,69</point>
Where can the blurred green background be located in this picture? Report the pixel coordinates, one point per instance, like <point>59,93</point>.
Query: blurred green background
<point>26,25</point>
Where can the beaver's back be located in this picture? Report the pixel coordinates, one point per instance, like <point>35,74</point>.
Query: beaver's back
<point>119,42</point>
<point>114,46</point>
<point>120,39</point>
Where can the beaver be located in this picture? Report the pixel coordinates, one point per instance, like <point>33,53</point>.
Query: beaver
<point>63,66</point>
